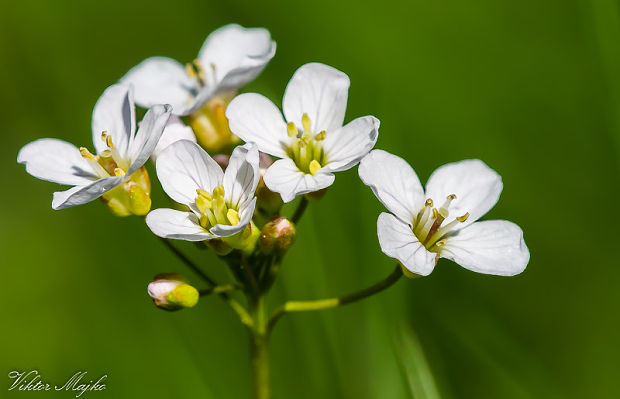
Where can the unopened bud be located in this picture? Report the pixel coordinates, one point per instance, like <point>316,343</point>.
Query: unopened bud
<point>277,235</point>
<point>170,291</point>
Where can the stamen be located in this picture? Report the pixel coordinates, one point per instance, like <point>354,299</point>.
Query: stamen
<point>203,204</point>
<point>443,211</point>
<point>119,172</point>
<point>233,217</point>
<point>320,136</point>
<point>291,129</point>
<point>86,154</point>
<point>305,121</point>
<point>463,218</point>
<point>314,166</point>
<point>108,142</point>
<point>189,68</point>
<point>204,194</point>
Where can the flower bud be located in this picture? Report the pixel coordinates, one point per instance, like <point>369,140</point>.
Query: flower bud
<point>277,235</point>
<point>211,125</point>
<point>170,291</point>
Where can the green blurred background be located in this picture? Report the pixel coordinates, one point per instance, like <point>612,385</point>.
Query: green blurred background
<point>531,87</point>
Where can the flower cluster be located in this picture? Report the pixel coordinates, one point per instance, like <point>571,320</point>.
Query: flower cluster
<point>228,195</point>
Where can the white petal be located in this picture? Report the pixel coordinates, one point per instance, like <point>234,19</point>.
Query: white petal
<point>285,178</point>
<point>346,146</point>
<point>56,161</point>
<point>476,186</point>
<point>319,91</point>
<point>174,131</point>
<point>151,128</point>
<point>82,194</point>
<point>115,114</point>
<point>184,167</point>
<point>245,215</point>
<point>394,183</point>
<point>161,80</point>
<point>239,54</point>
<point>489,247</point>
<point>242,175</point>
<point>160,288</point>
<point>254,118</point>
<point>398,241</point>
<point>179,225</point>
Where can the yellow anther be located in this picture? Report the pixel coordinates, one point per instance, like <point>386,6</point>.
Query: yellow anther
<point>108,142</point>
<point>104,135</point>
<point>451,197</point>
<point>429,202</point>
<point>218,191</point>
<point>189,68</point>
<point>291,129</point>
<point>320,136</point>
<point>233,217</point>
<point>203,204</point>
<point>463,218</point>
<point>305,122</point>
<point>119,172</point>
<point>204,194</point>
<point>435,213</point>
<point>86,154</point>
<point>314,166</point>
<point>440,243</point>
<point>199,70</point>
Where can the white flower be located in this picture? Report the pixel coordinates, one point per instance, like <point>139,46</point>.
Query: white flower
<point>312,142</point>
<point>439,222</point>
<point>120,153</point>
<point>175,130</point>
<point>230,57</point>
<point>221,203</point>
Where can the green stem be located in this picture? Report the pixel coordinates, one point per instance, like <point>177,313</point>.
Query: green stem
<point>259,350</point>
<point>304,306</point>
<point>188,262</point>
<point>218,289</point>
<point>301,208</point>
<point>234,305</point>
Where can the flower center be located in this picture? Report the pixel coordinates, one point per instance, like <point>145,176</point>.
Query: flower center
<point>306,149</point>
<point>214,210</point>
<point>427,225</point>
<point>109,162</point>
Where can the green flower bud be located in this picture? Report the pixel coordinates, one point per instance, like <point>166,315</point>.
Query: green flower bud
<point>277,235</point>
<point>170,291</point>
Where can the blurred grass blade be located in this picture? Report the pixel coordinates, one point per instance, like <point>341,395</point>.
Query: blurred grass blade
<point>414,366</point>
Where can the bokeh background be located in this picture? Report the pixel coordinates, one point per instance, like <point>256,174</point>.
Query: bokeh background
<point>531,87</point>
